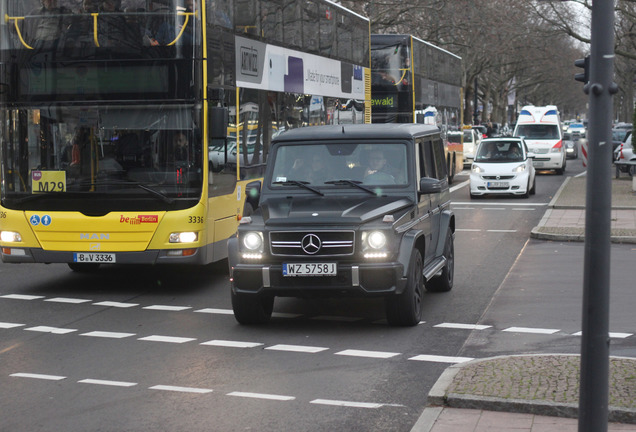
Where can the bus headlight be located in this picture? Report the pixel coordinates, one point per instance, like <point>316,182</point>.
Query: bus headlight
<point>10,237</point>
<point>253,241</point>
<point>184,237</point>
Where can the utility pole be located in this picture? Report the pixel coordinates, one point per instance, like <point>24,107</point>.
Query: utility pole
<point>594,389</point>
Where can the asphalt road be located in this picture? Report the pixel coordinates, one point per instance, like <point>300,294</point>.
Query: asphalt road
<point>136,349</point>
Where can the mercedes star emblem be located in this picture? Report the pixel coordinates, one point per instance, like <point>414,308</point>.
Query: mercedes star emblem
<point>311,244</point>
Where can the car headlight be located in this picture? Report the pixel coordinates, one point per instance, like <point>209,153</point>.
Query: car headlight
<point>519,169</point>
<point>376,239</point>
<point>253,241</point>
<point>477,169</point>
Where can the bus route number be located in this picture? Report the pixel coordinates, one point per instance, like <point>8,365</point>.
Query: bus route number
<point>50,187</point>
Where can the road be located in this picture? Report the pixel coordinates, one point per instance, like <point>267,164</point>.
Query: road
<point>137,349</point>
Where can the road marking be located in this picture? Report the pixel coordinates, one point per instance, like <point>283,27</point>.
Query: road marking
<point>104,334</point>
<point>441,359</point>
<point>231,344</point>
<point>216,311</point>
<point>38,376</point>
<point>336,318</point>
<point>168,339</point>
<point>493,208</point>
<point>262,396</point>
<point>181,389</point>
<point>370,354</point>
<point>107,382</point>
<point>530,330</point>
<point>116,304</point>
<point>615,335</point>
<point>463,326</point>
<point>463,208</point>
<point>68,300</point>
<point>501,231</point>
<point>167,308</point>
<point>6,325</point>
<point>21,297</point>
<point>459,186</point>
<point>347,404</point>
<point>523,209</point>
<point>54,330</point>
<point>468,229</point>
<point>501,204</point>
<point>297,348</point>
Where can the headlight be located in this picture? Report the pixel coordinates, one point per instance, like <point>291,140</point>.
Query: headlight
<point>184,237</point>
<point>477,169</point>
<point>521,168</point>
<point>10,237</point>
<point>376,239</point>
<point>253,241</point>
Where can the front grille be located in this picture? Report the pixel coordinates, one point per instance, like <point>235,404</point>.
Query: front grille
<point>503,177</point>
<point>312,243</point>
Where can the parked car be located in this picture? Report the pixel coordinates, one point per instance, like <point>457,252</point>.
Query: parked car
<point>625,158</point>
<point>503,166</point>
<point>216,155</point>
<point>571,145</point>
<point>358,230</point>
<point>482,131</point>
<point>618,136</point>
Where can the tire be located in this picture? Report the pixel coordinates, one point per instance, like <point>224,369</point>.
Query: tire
<point>533,191</point>
<point>444,282</point>
<point>252,309</point>
<point>83,267</point>
<point>406,309</point>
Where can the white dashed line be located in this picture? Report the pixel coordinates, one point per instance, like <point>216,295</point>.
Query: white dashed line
<point>231,344</point>
<point>347,404</point>
<point>38,376</point>
<point>262,396</point>
<point>21,297</point>
<point>297,348</point>
<point>116,304</point>
<point>370,354</point>
<point>168,339</point>
<point>530,330</point>
<point>468,230</point>
<point>501,231</point>
<point>167,308</point>
<point>67,300</point>
<point>181,389</point>
<point>441,359</point>
<point>614,335</point>
<point>54,330</point>
<point>104,334</point>
<point>523,209</point>
<point>463,326</point>
<point>6,325</point>
<point>216,311</point>
<point>107,382</point>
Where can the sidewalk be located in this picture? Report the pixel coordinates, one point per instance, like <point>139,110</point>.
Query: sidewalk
<point>538,393</point>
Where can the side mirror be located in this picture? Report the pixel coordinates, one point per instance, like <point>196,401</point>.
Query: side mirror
<point>430,185</point>
<point>531,155</point>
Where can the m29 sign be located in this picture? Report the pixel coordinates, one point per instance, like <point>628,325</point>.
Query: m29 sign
<point>48,181</point>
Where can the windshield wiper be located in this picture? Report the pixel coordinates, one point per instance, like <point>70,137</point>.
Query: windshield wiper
<point>302,184</point>
<point>156,193</point>
<point>355,183</point>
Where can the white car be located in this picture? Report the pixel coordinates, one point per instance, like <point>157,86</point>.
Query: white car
<point>502,166</point>
<point>625,157</point>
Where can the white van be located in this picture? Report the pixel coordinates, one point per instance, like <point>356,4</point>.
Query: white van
<point>540,126</point>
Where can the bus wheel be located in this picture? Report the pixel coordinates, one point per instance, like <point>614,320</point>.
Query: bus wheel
<point>252,309</point>
<point>83,267</point>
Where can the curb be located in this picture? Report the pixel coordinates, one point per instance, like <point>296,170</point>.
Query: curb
<point>438,399</point>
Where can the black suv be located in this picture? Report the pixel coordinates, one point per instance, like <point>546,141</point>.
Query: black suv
<point>348,210</point>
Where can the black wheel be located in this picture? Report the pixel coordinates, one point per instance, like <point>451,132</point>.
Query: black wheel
<point>527,194</point>
<point>534,186</point>
<point>252,309</point>
<point>83,267</point>
<point>444,282</point>
<point>406,309</point>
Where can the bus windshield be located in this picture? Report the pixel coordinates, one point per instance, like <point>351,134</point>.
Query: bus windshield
<point>106,155</point>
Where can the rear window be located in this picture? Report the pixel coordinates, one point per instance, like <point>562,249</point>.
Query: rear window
<point>538,131</point>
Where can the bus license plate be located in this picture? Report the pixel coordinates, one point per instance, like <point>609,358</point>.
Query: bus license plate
<point>309,269</point>
<point>83,257</point>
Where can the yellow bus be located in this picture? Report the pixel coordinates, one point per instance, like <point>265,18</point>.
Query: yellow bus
<point>109,121</point>
<point>414,81</point>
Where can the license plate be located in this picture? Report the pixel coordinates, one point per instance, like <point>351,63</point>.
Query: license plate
<point>309,269</point>
<point>498,184</point>
<point>83,257</point>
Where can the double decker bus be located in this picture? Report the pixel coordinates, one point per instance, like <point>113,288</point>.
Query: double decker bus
<point>414,81</point>
<point>109,119</point>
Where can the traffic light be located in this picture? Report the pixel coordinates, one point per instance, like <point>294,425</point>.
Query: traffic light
<point>585,64</point>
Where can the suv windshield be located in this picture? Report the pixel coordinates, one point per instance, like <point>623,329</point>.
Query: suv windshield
<point>500,152</point>
<point>328,165</point>
<point>538,131</point>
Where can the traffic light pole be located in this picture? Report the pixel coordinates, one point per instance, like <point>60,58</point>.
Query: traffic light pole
<point>594,388</point>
